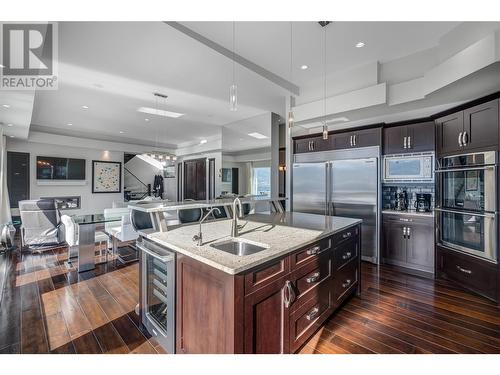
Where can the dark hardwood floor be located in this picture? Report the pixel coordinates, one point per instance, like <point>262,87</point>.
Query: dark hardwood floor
<point>47,308</point>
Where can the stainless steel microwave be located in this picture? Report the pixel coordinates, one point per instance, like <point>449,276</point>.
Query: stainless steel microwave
<point>409,167</point>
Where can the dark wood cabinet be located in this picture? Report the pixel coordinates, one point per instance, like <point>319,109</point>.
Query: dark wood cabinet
<point>408,241</point>
<point>358,138</point>
<point>418,137</point>
<point>472,128</point>
<point>312,144</point>
<point>266,320</point>
<point>273,308</point>
<point>472,273</point>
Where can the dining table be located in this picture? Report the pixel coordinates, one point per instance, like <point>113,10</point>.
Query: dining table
<point>88,224</point>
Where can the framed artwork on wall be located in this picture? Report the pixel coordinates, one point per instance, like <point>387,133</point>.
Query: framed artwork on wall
<point>106,176</point>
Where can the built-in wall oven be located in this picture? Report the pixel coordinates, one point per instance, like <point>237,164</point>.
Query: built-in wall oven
<point>466,204</point>
<point>157,302</point>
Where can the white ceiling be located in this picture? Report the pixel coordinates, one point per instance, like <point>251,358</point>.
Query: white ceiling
<point>114,68</point>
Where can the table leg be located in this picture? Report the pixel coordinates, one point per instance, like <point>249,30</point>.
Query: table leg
<point>86,247</point>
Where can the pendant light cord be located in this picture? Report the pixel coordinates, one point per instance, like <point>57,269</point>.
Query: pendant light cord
<point>324,77</point>
<point>234,37</point>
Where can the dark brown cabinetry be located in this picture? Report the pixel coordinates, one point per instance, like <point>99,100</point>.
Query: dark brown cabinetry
<point>312,144</point>
<point>410,138</point>
<point>472,273</point>
<point>472,128</point>
<point>408,241</point>
<point>273,308</point>
<point>358,138</point>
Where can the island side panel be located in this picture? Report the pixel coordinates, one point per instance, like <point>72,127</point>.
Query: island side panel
<point>209,303</point>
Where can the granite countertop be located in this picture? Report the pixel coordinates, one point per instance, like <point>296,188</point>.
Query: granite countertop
<point>172,206</point>
<point>282,232</point>
<point>409,213</point>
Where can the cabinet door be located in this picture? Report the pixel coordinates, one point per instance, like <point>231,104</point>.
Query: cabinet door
<point>420,137</point>
<point>266,321</point>
<point>420,245</point>
<point>320,144</point>
<point>481,125</point>
<point>395,243</point>
<point>394,140</point>
<point>368,137</point>
<point>302,145</point>
<point>448,131</point>
<point>342,140</point>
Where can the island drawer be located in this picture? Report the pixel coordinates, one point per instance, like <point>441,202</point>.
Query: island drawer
<point>345,281</point>
<point>346,253</point>
<point>311,277</point>
<point>307,318</point>
<point>266,274</point>
<point>345,235</point>
<point>309,253</point>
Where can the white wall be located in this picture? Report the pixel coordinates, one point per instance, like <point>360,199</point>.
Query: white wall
<point>89,202</point>
<point>243,187</point>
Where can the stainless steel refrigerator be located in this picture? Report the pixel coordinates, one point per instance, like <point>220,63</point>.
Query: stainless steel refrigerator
<point>341,183</point>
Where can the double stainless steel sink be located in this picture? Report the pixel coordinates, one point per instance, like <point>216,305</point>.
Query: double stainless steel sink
<point>239,246</point>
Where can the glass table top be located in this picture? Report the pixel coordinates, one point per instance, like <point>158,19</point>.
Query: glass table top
<point>97,218</point>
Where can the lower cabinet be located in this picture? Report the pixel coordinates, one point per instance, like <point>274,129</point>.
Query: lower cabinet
<point>274,308</point>
<point>408,241</point>
<point>472,273</point>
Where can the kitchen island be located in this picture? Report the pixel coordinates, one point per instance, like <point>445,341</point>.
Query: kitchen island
<point>270,301</point>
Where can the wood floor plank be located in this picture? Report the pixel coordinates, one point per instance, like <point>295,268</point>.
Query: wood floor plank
<point>131,335</point>
<point>109,340</point>
<point>87,344</point>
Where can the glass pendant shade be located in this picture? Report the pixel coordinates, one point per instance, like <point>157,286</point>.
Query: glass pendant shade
<point>233,98</point>
<point>325,132</point>
<point>291,119</point>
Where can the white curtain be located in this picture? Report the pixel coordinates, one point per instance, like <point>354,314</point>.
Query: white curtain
<point>5,216</point>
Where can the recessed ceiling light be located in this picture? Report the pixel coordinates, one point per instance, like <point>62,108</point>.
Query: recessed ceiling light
<point>121,132</point>
<point>85,107</point>
<point>360,44</point>
<point>304,67</point>
<point>257,135</point>
<point>9,125</point>
<point>6,105</point>
<point>146,119</point>
<point>203,141</point>
<point>70,124</point>
<point>2,66</point>
<point>159,112</point>
<point>11,136</point>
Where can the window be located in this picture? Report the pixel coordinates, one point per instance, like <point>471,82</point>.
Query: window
<point>261,181</point>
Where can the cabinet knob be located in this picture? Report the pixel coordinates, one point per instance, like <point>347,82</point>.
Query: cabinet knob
<point>346,235</point>
<point>312,314</point>
<point>346,255</point>
<point>313,278</point>
<point>346,283</point>
<point>313,250</point>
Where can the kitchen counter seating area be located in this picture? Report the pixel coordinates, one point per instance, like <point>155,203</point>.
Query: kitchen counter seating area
<point>270,301</point>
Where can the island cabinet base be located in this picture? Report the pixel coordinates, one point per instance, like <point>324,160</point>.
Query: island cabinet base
<point>273,308</point>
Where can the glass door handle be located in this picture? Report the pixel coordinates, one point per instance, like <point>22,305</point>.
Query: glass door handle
<point>163,258</point>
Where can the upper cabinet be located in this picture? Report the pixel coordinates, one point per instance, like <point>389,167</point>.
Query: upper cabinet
<point>411,138</point>
<point>473,128</point>
<point>358,138</point>
<point>311,144</point>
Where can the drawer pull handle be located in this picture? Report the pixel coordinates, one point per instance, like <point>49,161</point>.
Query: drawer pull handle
<point>347,235</point>
<point>313,278</point>
<point>312,314</point>
<point>464,270</point>
<point>346,283</point>
<point>313,250</point>
<point>346,255</point>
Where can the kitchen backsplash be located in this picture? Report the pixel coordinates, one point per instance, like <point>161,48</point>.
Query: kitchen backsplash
<point>389,194</point>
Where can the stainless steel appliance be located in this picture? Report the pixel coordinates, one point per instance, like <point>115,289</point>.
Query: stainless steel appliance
<point>423,202</point>
<point>157,302</point>
<point>342,183</point>
<point>401,201</point>
<point>409,167</point>
<point>466,204</point>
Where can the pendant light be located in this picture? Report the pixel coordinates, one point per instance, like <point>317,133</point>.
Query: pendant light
<point>233,90</point>
<point>325,127</point>
<point>291,118</point>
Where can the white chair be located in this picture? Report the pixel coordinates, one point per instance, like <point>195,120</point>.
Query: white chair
<point>71,236</point>
<point>120,231</point>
